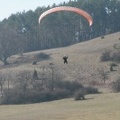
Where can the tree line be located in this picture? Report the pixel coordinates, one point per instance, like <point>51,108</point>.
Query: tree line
<point>21,30</point>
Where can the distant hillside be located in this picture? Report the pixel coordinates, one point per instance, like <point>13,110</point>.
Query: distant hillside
<point>83,61</point>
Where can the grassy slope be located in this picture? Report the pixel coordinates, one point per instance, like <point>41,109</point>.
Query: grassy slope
<point>83,63</point>
<point>84,60</point>
<point>96,107</point>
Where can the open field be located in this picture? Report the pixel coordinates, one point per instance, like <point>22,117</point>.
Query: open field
<point>95,107</point>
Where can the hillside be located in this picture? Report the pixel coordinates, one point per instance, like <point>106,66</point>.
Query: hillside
<point>83,62</point>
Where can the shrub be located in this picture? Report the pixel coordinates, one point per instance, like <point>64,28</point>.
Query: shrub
<point>42,56</point>
<point>75,86</point>
<point>80,94</point>
<point>91,90</point>
<point>116,56</point>
<point>68,85</point>
<point>113,64</point>
<point>116,85</point>
<point>110,56</point>
<point>59,94</point>
<point>105,56</point>
<point>35,75</point>
<point>102,37</point>
<point>14,96</point>
<point>62,89</point>
<point>94,83</point>
<point>34,63</point>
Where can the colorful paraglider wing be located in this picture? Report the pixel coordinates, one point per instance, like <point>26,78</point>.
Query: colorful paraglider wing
<point>67,8</point>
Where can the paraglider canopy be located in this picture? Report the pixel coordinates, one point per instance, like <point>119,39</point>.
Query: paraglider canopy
<point>67,8</point>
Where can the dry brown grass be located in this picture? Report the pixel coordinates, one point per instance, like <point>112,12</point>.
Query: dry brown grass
<point>83,62</point>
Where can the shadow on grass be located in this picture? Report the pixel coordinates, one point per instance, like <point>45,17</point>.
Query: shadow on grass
<point>90,98</point>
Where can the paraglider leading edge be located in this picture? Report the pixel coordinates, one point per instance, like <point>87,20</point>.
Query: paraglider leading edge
<point>67,8</point>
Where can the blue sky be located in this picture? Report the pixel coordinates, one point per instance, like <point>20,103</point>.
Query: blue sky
<point>8,7</point>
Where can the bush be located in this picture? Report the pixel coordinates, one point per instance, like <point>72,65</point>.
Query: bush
<point>110,56</point>
<point>35,75</point>
<point>62,89</point>
<point>91,90</point>
<point>14,96</point>
<point>116,56</point>
<point>68,85</point>
<point>34,63</point>
<point>116,85</point>
<point>60,94</point>
<point>42,56</point>
<point>102,37</point>
<point>80,94</point>
<point>105,56</point>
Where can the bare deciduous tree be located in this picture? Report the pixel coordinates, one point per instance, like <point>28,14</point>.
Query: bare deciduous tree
<point>10,43</point>
<point>2,81</point>
<point>103,74</point>
<point>23,80</point>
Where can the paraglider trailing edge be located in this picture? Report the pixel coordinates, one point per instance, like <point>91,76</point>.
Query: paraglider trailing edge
<point>67,8</point>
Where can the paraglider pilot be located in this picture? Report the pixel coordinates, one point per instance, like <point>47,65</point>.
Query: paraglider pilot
<point>65,59</point>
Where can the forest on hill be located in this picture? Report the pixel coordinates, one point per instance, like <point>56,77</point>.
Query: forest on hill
<point>22,30</point>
